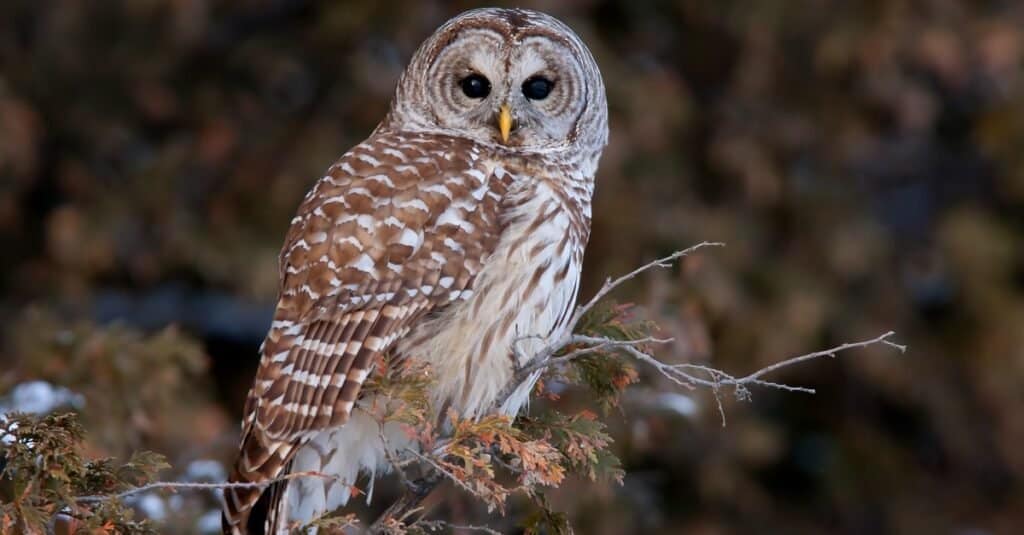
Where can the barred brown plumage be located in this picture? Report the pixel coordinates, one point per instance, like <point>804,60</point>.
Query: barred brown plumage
<point>441,238</point>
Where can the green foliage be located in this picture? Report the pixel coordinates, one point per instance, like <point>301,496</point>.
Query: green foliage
<point>582,440</point>
<point>44,472</point>
<point>470,458</point>
<point>607,373</point>
<point>405,385</point>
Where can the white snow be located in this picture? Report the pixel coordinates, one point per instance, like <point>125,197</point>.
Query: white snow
<point>40,397</point>
<point>677,403</point>
<point>209,522</point>
<point>152,506</point>
<point>205,470</point>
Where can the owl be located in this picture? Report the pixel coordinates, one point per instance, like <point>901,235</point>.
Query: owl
<point>455,230</point>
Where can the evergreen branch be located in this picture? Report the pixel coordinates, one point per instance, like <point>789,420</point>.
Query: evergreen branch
<point>444,471</point>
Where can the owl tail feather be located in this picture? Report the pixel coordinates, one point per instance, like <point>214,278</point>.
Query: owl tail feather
<point>254,510</point>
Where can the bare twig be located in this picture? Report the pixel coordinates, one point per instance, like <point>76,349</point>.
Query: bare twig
<point>825,353</point>
<point>599,344</point>
<point>679,374</point>
<point>399,467</point>
<point>438,525</point>
<point>408,504</point>
<point>444,471</point>
<point>405,506</point>
<point>717,379</point>
<point>610,284</point>
<point>176,485</point>
<point>542,359</point>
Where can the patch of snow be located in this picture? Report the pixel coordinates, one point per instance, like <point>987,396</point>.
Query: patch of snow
<point>677,403</point>
<point>40,397</point>
<point>209,522</point>
<point>205,470</point>
<point>176,501</point>
<point>152,506</point>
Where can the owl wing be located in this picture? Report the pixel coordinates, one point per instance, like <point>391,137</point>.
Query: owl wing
<point>398,228</point>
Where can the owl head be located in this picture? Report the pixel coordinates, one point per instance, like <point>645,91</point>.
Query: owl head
<point>505,77</point>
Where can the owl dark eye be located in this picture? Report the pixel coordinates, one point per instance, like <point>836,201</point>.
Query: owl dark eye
<point>537,88</point>
<point>475,86</point>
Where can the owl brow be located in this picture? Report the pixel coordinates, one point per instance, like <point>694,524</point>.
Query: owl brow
<point>457,31</point>
<point>547,34</point>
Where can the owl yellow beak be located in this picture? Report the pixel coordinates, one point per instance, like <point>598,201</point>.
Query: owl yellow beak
<point>504,122</point>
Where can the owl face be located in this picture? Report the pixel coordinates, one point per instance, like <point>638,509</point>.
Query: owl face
<point>515,78</point>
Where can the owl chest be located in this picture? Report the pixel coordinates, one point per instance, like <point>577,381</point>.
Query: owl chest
<point>521,300</point>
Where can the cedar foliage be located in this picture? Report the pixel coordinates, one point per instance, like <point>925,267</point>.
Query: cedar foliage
<point>44,473</point>
<point>494,457</point>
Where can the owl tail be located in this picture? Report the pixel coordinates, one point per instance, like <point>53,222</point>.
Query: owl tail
<point>254,510</point>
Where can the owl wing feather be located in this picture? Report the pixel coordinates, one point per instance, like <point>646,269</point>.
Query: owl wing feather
<point>398,228</point>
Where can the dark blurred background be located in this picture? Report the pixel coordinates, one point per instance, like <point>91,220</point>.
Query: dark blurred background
<point>864,162</point>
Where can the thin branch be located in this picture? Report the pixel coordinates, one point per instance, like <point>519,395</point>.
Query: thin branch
<point>438,525</point>
<point>444,471</point>
<point>408,503</point>
<point>542,359</point>
<point>404,507</point>
<point>600,344</point>
<point>681,375</point>
<point>824,353</point>
<point>720,378</point>
<point>610,284</point>
<point>678,373</point>
<point>176,485</point>
<point>399,467</point>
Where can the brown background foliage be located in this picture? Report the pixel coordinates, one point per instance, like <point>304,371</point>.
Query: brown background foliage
<point>864,161</point>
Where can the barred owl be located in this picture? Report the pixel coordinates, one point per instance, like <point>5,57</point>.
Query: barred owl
<point>455,229</point>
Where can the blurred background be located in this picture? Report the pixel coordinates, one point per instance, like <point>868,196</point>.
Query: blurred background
<point>864,162</point>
